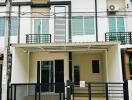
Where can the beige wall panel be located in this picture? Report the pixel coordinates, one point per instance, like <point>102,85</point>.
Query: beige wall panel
<point>84,60</point>
<point>40,56</point>
<point>40,1</point>
<point>40,9</point>
<point>44,11</point>
<point>119,3</point>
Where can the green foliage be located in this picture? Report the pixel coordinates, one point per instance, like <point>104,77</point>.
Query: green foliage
<point>130,62</point>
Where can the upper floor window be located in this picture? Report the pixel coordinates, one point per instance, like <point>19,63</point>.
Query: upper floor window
<point>41,26</point>
<point>83,25</point>
<point>116,24</point>
<point>2,26</point>
<point>14,26</point>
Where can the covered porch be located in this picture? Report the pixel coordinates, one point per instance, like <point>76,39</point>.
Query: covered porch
<point>56,63</point>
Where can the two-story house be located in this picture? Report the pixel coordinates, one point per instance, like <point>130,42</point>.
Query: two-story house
<point>59,40</point>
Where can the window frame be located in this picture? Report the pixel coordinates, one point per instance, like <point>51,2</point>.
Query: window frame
<point>96,71</point>
<point>84,27</point>
<point>14,34</point>
<point>77,83</point>
<point>116,22</point>
<point>2,35</point>
<point>41,27</point>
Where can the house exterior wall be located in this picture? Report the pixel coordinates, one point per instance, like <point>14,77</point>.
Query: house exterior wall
<point>114,65</point>
<point>41,56</point>
<point>119,3</point>
<point>130,89</point>
<point>77,6</point>
<point>84,61</point>
<point>25,24</point>
<point>40,1</point>
<point>20,72</point>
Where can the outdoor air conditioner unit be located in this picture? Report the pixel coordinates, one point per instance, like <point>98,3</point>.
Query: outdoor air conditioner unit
<point>113,8</point>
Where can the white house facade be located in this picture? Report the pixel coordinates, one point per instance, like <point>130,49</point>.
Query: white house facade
<point>60,42</point>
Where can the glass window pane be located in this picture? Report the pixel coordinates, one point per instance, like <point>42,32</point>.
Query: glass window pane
<point>120,24</point>
<point>2,26</point>
<point>112,29</point>
<point>77,74</point>
<point>95,66</point>
<point>45,26</point>
<point>37,26</point>
<point>89,25</point>
<point>37,30</point>
<point>14,26</point>
<point>77,25</point>
<point>112,24</point>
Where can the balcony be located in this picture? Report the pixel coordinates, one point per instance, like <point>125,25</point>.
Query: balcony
<point>123,37</point>
<point>38,38</point>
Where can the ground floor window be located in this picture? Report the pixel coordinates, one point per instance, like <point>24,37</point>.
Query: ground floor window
<point>77,74</point>
<point>95,66</point>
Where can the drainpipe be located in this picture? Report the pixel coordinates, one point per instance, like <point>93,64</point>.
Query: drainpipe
<point>96,20</point>
<point>69,14</point>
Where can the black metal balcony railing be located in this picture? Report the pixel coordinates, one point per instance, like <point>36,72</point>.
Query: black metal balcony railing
<point>123,37</point>
<point>38,38</point>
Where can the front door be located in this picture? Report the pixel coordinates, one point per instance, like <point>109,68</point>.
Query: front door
<point>51,75</point>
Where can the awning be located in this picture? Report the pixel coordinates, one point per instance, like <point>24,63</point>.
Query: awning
<point>77,46</point>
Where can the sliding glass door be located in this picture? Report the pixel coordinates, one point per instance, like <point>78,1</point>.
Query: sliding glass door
<point>47,75</point>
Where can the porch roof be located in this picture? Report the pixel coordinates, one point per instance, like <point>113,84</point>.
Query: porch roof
<point>74,46</point>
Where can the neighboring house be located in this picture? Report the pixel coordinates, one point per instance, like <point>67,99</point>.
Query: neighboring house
<point>58,40</point>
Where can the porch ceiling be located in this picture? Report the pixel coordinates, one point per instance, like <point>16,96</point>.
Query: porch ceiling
<point>77,46</point>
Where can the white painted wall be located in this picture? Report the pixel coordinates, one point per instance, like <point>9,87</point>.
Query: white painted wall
<point>102,19</point>
<point>83,6</point>
<point>114,69</point>
<point>25,26</point>
<point>130,89</point>
<point>20,66</point>
<point>2,1</point>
